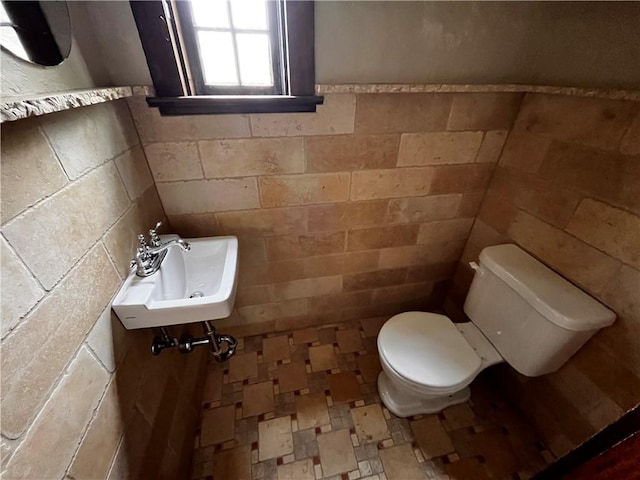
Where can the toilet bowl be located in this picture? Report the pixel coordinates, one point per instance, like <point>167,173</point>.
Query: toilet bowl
<point>428,362</point>
<point>521,313</point>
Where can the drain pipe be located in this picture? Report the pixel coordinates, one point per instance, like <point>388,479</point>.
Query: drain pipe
<point>187,342</point>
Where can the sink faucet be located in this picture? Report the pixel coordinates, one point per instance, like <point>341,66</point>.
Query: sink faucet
<point>149,256</point>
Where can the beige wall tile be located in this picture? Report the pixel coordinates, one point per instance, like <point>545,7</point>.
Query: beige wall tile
<point>254,295</point>
<point>50,444</point>
<point>369,280</point>
<point>154,128</point>
<point>100,132</point>
<point>272,311</point>
<point>445,230</point>
<point>438,148</point>
<point>470,204</point>
<point>174,161</point>
<point>491,147</point>
<point>334,117</point>
<point>341,263</point>
<point>275,438</point>
<point>131,454</point>
<point>612,230</point>
<point>401,293</point>
<point>336,453</point>
<point>597,122</point>
<point>483,111</point>
<point>482,235</point>
<point>351,152</point>
<point>121,240</point>
<point>333,303</point>
<point>296,246</point>
<point>394,183</point>
<point>134,171</point>
<point>524,151</point>
<point>282,191</point>
<point>630,144</point>
<point>435,272</point>
<point>621,293</point>
<point>20,291</point>
<point>460,178</point>
<point>381,237</point>
<point>400,462</point>
<point>308,287</point>
<point>544,198</point>
<point>75,305</point>
<point>100,443</point>
<point>194,224</point>
<point>579,262</point>
<point>421,254</point>
<point>30,170</point>
<point>252,249</point>
<point>71,221</point>
<point>609,176</point>
<point>497,211</point>
<point>258,156</point>
<point>423,209</point>
<point>108,339</point>
<point>277,221</point>
<point>343,216</point>
<point>399,113</point>
<point>202,196</point>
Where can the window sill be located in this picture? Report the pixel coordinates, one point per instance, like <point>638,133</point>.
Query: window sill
<point>220,104</point>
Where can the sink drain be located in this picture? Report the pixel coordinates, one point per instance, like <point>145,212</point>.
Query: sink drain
<point>196,295</point>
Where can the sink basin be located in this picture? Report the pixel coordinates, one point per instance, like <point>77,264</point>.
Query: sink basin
<point>192,286</point>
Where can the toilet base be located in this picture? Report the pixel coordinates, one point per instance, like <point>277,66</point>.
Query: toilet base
<point>404,403</point>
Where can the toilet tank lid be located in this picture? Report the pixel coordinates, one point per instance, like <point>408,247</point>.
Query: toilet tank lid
<point>551,295</point>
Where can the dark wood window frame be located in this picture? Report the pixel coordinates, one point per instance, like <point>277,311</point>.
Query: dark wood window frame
<point>178,94</point>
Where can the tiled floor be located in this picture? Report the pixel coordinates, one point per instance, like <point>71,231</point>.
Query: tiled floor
<point>303,405</point>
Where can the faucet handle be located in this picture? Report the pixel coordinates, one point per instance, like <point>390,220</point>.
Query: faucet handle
<point>142,241</point>
<point>153,235</point>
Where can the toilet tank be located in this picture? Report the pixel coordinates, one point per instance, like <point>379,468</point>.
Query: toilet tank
<point>535,318</point>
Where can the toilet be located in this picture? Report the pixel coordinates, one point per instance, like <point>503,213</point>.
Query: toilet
<point>521,312</point>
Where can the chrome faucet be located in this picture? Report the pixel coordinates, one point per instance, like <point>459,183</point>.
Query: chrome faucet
<point>149,256</point>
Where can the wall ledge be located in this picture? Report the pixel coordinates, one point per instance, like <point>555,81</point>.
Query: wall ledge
<point>322,89</point>
<point>13,108</point>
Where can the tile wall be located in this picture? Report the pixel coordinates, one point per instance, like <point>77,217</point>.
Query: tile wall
<point>361,209</point>
<point>567,189</point>
<point>82,397</point>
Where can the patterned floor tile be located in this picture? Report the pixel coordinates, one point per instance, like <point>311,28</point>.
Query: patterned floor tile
<point>305,405</point>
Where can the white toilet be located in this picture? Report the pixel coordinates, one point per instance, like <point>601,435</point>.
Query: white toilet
<point>521,312</point>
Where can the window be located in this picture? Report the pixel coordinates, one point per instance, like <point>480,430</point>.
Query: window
<point>229,56</point>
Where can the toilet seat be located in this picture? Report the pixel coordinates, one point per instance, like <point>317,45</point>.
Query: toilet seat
<point>428,352</point>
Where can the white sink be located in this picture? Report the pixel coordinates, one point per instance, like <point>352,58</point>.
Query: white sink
<point>191,286</point>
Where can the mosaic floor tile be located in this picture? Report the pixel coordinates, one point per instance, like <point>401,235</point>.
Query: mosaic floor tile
<point>304,404</point>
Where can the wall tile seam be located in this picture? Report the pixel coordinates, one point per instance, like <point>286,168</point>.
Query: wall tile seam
<point>551,181</point>
<point>121,174</point>
<point>66,187</point>
<point>49,143</point>
<point>84,433</point>
<point>16,329</point>
<point>33,277</point>
<point>72,357</point>
<point>200,162</point>
<point>112,464</point>
<point>574,143</point>
<point>595,293</point>
<point>93,167</point>
<point>72,266</point>
<point>50,393</point>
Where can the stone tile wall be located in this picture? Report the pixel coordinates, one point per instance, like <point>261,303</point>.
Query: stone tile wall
<point>358,210</point>
<point>81,396</point>
<point>567,189</point>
